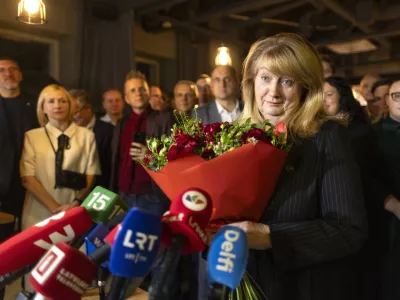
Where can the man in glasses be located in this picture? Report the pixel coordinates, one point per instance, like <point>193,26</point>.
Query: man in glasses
<point>158,100</point>
<point>388,134</point>
<point>377,105</point>
<point>17,115</point>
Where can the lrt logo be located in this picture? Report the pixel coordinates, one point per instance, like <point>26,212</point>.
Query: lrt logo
<point>47,265</point>
<point>194,201</point>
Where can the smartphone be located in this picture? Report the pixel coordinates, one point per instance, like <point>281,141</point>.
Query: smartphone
<point>139,137</point>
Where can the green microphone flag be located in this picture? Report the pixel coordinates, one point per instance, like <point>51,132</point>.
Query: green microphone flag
<point>103,205</point>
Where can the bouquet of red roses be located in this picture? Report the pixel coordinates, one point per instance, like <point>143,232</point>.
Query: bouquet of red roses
<point>237,164</point>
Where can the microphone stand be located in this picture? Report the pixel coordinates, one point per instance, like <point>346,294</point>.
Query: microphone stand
<point>102,275</point>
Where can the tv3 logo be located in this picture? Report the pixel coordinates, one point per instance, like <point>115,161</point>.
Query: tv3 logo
<point>194,200</point>
<point>47,265</point>
<point>145,242</point>
<point>55,237</point>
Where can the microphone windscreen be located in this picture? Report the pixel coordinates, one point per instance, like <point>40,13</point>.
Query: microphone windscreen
<point>103,205</point>
<point>189,215</point>
<point>227,256</point>
<point>136,244</point>
<point>29,245</point>
<point>63,273</point>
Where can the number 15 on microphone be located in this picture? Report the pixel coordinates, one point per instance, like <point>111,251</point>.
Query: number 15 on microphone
<point>103,204</point>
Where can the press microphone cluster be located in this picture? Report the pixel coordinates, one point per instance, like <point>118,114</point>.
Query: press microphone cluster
<point>127,247</point>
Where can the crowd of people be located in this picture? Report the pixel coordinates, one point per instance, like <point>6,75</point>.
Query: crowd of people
<point>331,230</point>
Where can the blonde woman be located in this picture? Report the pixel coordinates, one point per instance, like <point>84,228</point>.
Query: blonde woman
<point>316,218</point>
<point>59,160</point>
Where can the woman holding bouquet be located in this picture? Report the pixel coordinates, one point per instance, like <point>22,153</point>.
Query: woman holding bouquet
<point>316,219</point>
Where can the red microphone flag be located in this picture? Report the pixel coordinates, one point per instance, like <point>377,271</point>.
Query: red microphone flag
<point>64,273</point>
<point>28,246</point>
<point>189,215</point>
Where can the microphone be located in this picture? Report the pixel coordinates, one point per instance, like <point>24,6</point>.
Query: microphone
<point>227,260</point>
<point>101,254</point>
<point>103,205</point>
<point>63,273</point>
<point>135,248</point>
<point>28,246</point>
<point>94,240</point>
<point>183,232</point>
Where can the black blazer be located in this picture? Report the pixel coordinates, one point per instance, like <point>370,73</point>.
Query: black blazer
<point>317,220</point>
<point>103,133</point>
<point>11,146</point>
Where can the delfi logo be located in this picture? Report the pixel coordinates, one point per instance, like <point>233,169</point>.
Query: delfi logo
<point>227,257</point>
<point>194,201</point>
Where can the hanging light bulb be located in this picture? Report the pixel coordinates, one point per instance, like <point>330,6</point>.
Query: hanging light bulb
<point>32,12</point>
<point>223,57</point>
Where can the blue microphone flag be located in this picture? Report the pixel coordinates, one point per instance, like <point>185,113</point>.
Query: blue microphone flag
<point>136,244</point>
<point>227,256</point>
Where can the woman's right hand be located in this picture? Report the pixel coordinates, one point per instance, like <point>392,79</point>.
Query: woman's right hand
<point>392,204</point>
<point>63,207</point>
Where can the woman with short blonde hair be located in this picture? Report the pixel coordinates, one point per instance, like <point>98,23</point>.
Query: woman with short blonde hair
<point>45,94</point>
<point>59,160</point>
<point>315,221</point>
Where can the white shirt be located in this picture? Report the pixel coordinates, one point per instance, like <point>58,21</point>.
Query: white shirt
<point>227,116</point>
<point>38,159</point>
<point>106,118</point>
<point>90,125</point>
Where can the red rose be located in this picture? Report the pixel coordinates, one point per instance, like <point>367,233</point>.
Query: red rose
<point>183,140</point>
<point>178,132</point>
<point>172,153</point>
<point>190,147</point>
<point>256,133</point>
<point>216,127</point>
<point>206,128</point>
<point>280,128</point>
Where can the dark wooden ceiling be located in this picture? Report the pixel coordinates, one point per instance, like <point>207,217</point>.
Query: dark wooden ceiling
<point>242,22</point>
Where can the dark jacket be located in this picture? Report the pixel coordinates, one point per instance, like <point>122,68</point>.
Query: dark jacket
<point>103,133</point>
<point>11,146</point>
<point>11,190</point>
<point>158,123</point>
<point>317,220</point>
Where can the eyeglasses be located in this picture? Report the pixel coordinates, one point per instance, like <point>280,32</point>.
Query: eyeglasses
<point>395,96</point>
<point>11,70</point>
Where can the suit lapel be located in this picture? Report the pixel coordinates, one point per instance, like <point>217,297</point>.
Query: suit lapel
<point>213,113</point>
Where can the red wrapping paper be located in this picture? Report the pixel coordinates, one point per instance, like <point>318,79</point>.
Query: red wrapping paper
<point>240,182</point>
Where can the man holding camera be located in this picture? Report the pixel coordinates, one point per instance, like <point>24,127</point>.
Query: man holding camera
<point>128,177</point>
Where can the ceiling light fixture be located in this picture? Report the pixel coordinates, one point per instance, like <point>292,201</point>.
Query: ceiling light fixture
<point>32,12</point>
<point>223,57</point>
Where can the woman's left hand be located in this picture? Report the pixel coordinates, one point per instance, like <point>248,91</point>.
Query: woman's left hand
<point>138,151</point>
<point>258,234</point>
<point>63,207</point>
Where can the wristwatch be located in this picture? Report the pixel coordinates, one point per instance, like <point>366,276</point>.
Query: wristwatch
<point>78,200</point>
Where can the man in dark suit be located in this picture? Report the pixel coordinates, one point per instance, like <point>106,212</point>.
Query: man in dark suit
<point>226,107</point>
<point>17,115</point>
<point>103,133</point>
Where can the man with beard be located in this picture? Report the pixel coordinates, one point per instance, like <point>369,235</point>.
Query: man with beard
<point>17,115</point>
